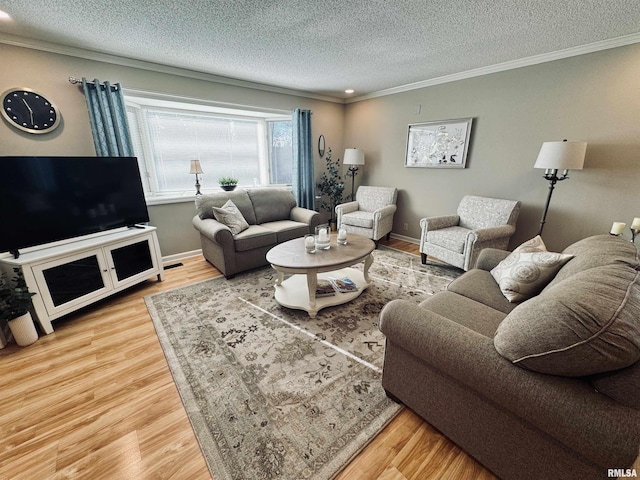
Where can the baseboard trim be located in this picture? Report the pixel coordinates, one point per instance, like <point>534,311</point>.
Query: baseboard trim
<point>170,259</point>
<point>415,241</point>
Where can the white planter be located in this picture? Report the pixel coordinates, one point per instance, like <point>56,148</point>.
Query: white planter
<point>23,330</point>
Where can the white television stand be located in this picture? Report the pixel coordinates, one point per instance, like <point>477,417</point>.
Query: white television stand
<point>75,273</point>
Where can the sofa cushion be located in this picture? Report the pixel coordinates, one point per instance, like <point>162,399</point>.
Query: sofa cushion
<point>527,270</point>
<point>231,217</point>
<point>587,324</point>
<point>255,236</point>
<point>205,204</point>
<point>271,204</point>
<point>450,238</point>
<point>621,385</point>
<point>287,229</point>
<point>480,286</point>
<point>597,251</point>
<point>359,218</point>
<point>464,311</point>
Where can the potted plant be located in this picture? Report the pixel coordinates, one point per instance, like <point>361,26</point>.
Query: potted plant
<point>15,301</point>
<point>331,188</point>
<point>228,183</point>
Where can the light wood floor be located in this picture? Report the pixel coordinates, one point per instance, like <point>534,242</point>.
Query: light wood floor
<point>95,400</point>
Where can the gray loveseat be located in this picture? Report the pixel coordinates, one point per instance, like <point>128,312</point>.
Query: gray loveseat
<point>272,216</point>
<point>562,398</point>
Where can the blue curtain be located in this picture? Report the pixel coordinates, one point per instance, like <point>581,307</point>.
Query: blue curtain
<point>303,180</point>
<point>108,118</point>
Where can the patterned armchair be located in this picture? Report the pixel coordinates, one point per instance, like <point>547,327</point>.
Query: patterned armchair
<point>371,214</point>
<point>480,223</point>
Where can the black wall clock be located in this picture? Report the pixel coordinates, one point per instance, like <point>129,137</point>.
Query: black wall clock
<point>29,111</point>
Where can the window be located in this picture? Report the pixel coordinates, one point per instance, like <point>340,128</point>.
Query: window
<point>254,147</point>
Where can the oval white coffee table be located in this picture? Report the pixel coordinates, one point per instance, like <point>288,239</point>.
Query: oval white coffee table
<point>299,290</point>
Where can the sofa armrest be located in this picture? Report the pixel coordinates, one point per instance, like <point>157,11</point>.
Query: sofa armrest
<point>436,223</point>
<point>489,258</point>
<point>492,233</point>
<point>304,215</point>
<point>213,230</point>
<point>545,401</point>
<point>384,212</point>
<point>347,207</point>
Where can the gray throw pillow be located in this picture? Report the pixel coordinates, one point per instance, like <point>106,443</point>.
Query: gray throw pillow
<point>527,270</point>
<point>231,217</point>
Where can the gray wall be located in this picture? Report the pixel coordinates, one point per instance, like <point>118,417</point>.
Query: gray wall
<point>48,73</point>
<point>593,98</point>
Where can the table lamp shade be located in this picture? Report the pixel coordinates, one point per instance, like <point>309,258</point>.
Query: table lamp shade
<point>353,156</point>
<point>561,155</point>
<point>195,167</point>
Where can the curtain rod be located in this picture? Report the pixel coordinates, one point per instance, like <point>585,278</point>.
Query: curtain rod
<point>74,81</point>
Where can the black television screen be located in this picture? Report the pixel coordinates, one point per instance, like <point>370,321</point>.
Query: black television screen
<point>46,199</point>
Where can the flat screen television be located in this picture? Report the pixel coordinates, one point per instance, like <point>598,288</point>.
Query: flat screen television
<point>47,199</point>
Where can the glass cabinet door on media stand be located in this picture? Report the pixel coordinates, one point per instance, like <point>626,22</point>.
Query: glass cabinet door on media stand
<point>75,279</point>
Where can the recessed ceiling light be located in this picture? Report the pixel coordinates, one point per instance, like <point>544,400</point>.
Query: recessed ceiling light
<point>4,15</point>
<point>349,90</point>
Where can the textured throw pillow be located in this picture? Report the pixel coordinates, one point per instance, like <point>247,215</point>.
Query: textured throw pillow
<point>231,217</point>
<point>527,270</point>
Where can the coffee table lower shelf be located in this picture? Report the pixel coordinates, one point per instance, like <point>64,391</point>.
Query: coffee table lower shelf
<point>294,291</point>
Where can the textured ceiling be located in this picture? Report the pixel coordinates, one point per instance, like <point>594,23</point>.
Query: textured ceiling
<point>324,46</point>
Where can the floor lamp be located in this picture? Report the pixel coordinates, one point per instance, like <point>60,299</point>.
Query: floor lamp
<point>353,156</point>
<point>555,156</point>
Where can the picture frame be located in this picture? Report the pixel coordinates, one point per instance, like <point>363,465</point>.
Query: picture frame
<point>439,144</point>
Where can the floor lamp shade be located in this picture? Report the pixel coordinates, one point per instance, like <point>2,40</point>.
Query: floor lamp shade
<point>353,156</point>
<point>561,155</point>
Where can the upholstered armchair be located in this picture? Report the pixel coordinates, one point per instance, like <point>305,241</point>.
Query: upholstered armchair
<point>480,223</point>
<point>370,214</point>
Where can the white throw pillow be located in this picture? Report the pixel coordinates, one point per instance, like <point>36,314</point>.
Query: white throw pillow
<point>231,217</point>
<point>527,270</point>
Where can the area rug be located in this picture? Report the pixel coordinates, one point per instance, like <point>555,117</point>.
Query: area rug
<point>272,393</point>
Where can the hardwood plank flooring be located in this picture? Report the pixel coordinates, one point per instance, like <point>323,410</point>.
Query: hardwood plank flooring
<point>96,400</point>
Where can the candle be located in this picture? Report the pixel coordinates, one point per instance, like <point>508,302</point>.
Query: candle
<point>617,228</point>
<point>635,225</point>
<point>323,236</point>
<point>310,244</point>
<point>342,233</point>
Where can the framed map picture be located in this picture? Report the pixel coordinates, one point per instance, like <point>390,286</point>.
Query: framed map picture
<point>441,144</point>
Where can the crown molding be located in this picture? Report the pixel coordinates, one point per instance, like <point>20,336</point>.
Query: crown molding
<point>501,67</point>
<point>33,44</point>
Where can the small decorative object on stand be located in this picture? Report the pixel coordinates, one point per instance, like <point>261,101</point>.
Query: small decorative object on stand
<point>228,184</point>
<point>617,228</point>
<point>197,170</point>
<point>323,241</point>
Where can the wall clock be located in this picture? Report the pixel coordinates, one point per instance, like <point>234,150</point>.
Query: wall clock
<point>29,111</point>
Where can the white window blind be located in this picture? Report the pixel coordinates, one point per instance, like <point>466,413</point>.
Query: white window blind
<point>256,151</point>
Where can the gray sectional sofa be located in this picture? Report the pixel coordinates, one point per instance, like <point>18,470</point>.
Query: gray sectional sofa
<point>272,217</point>
<point>545,388</point>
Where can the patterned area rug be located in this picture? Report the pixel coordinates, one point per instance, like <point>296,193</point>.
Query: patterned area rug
<point>272,393</point>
